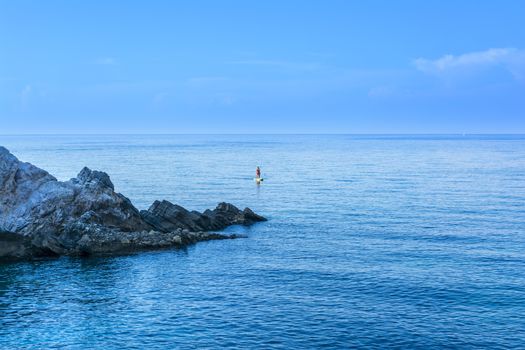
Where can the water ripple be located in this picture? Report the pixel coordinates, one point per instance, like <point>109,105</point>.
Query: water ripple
<point>373,242</point>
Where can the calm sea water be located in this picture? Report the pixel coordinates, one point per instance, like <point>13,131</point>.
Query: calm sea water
<point>372,241</point>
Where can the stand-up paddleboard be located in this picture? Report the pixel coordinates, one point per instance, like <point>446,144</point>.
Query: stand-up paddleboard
<point>258,179</point>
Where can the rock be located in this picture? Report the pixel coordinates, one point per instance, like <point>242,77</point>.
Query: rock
<point>31,200</point>
<point>84,241</point>
<point>165,217</point>
<point>40,215</point>
<point>13,246</point>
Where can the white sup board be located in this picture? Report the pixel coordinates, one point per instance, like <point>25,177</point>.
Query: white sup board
<point>258,179</point>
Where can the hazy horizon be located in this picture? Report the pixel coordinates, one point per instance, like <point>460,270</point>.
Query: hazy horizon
<point>271,133</point>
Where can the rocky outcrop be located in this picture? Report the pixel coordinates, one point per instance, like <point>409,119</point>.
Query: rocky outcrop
<point>42,216</point>
<point>31,200</point>
<point>14,246</point>
<point>165,217</point>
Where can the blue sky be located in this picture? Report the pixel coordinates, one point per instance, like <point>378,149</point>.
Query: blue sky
<point>262,66</point>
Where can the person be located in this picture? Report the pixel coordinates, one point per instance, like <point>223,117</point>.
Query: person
<point>258,173</point>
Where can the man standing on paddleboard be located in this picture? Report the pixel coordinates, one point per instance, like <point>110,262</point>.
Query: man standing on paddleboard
<point>258,173</point>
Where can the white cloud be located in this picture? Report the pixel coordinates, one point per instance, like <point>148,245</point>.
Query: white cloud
<point>160,98</point>
<point>206,81</point>
<point>25,95</point>
<point>107,61</point>
<point>511,59</point>
<point>380,91</point>
<point>31,93</point>
<point>226,99</point>
<point>290,65</point>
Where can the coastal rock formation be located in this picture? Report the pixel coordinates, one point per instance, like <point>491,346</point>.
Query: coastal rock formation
<point>165,217</point>
<point>40,215</point>
<point>14,246</point>
<point>31,200</point>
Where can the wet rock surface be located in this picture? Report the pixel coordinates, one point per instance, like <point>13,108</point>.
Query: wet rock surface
<point>40,215</point>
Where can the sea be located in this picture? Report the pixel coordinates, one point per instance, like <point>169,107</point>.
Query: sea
<point>372,241</point>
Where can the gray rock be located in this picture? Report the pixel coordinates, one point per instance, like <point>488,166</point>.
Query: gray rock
<point>165,217</point>
<point>31,200</point>
<point>13,246</point>
<point>40,215</point>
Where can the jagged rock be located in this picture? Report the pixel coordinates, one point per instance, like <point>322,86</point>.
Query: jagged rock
<point>227,214</point>
<point>165,216</point>
<point>40,215</point>
<point>31,200</point>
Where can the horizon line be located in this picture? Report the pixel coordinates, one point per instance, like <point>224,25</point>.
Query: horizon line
<point>261,134</point>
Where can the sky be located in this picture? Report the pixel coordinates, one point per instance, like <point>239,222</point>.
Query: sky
<point>262,66</point>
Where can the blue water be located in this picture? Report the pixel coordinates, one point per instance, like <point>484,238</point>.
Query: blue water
<point>372,241</point>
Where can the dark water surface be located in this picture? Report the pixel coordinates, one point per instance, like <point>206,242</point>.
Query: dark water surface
<point>372,241</point>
